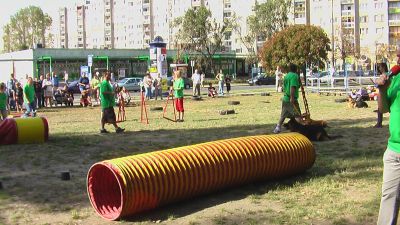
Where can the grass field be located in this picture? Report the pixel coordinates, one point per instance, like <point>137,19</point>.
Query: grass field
<point>343,187</point>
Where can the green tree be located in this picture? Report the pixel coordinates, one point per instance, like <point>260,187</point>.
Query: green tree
<point>298,44</point>
<point>198,33</point>
<point>27,27</point>
<point>268,18</point>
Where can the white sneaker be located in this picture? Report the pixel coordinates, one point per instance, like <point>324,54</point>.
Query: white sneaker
<point>277,129</point>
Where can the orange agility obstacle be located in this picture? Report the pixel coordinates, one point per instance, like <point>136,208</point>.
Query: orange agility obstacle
<point>24,131</point>
<point>126,186</point>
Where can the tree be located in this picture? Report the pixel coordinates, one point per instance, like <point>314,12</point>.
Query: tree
<point>345,46</point>
<point>268,18</point>
<point>298,44</point>
<point>200,34</point>
<point>27,27</point>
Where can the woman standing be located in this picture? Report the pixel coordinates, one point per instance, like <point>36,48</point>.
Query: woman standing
<point>47,86</point>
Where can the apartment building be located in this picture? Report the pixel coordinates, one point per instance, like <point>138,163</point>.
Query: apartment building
<point>100,24</point>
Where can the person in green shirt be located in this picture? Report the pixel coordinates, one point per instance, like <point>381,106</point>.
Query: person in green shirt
<point>290,105</point>
<point>179,84</point>
<point>3,102</point>
<point>389,101</point>
<point>107,105</point>
<point>94,83</point>
<point>29,98</point>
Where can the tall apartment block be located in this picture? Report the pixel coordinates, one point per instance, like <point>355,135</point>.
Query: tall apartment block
<point>63,27</point>
<point>368,25</point>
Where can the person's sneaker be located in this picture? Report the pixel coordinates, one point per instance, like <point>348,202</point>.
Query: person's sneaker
<point>119,130</point>
<point>277,129</point>
<point>104,131</point>
<point>377,126</point>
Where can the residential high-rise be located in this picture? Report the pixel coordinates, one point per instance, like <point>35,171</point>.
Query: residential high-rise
<point>63,27</point>
<point>367,26</point>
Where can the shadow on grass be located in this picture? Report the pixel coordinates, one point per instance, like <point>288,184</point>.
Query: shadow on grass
<point>30,173</point>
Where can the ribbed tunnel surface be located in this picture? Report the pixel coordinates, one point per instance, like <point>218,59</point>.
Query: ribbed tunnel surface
<point>129,185</point>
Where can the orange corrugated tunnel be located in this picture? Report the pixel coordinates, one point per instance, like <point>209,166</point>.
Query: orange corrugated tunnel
<point>127,186</point>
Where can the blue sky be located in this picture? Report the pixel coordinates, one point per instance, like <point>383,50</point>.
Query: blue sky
<point>10,7</point>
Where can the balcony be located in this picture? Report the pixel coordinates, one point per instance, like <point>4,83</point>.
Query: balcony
<point>347,1</point>
<point>394,23</point>
<point>394,10</point>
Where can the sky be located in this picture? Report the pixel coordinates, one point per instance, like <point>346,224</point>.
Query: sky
<point>10,7</point>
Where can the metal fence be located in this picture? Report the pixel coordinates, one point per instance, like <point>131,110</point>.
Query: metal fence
<point>338,85</point>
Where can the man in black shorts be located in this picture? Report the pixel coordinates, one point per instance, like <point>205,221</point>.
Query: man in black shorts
<point>107,105</point>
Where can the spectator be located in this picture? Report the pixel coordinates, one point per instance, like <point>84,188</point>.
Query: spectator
<point>196,78</point>
<point>94,83</point>
<point>38,92</point>
<point>84,87</point>
<point>382,69</point>
<point>68,96</point>
<point>158,87</point>
<point>19,97</point>
<point>11,87</point>
<point>147,83</point>
<point>47,86</point>
<point>179,84</point>
<point>107,105</point>
<point>221,78</point>
<point>66,77</point>
<point>202,78</point>
<point>278,79</point>
<point>55,81</point>
<point>29,99</point>
<point>4,107</point>
<point>211,91</point>
<point>290,105</point>
<point>125,95</point>
<point>41,79</point>
<point>228,83</point>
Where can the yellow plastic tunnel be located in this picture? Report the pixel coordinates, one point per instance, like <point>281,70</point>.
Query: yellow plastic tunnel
<point>126,186</point>
<point>24,131</point>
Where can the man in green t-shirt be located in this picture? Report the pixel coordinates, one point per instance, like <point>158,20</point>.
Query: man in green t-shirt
<point>29,98</point>
<point>107,105</point>
<point>290,105</point>
<point>94,83</point>
<point>179,84</point>
<point>389,101</point>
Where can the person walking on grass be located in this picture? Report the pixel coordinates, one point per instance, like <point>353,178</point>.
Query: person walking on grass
<point>389,101</point>
<point>29,98</point>
<point>290,105</point>
<point>179,84</point>
<point>107,105</point>
<point>221,78</point>
<point>4,107</point>
<point>196,78</point>
<point>228,83</point>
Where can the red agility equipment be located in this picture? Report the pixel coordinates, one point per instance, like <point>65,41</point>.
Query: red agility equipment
<point>127,186</point>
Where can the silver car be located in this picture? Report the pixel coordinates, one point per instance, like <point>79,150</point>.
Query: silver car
<point>131,84</point>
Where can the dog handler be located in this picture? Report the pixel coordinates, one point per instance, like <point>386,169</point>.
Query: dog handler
<point>107,105</point>
<point>291,87</point>
<point>389,101</point>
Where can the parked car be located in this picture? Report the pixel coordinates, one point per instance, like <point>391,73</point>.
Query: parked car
<point>131,84</point>
<point>262,79</point>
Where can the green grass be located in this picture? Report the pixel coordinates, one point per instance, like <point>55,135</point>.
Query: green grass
<point>342,187</point>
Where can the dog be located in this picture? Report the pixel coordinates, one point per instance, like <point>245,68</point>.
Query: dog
<point>314,132</point>
<point>356,103</point>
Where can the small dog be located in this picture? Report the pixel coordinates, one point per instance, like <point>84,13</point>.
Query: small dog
<point>356,103</point>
